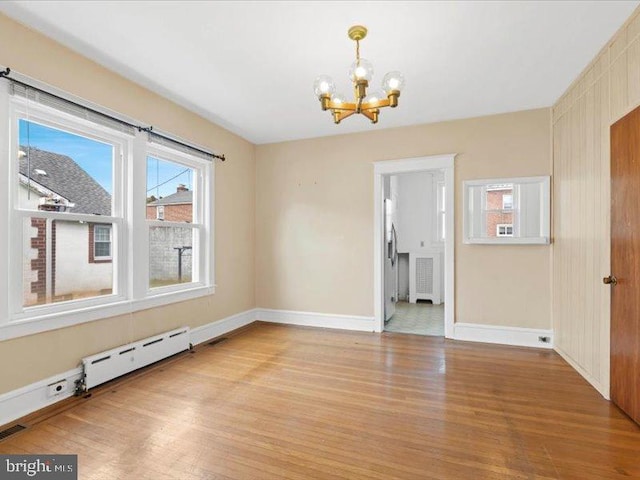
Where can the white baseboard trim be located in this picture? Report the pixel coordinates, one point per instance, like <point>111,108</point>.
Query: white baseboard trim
<point>30,398</point>
<point>323,320</point>
<point>586,375</point>
<point>517,336</point>
<point>220,327</point>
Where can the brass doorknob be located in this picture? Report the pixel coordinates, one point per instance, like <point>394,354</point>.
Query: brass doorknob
<point>610,280</point>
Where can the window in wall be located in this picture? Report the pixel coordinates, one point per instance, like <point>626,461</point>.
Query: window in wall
<point>174,253</point>
<point>63,182</point>
<point>441,213</point>
<point>504,230</point>
<point>509,210</point>
<point>78,238</point>
<point>101,242</point>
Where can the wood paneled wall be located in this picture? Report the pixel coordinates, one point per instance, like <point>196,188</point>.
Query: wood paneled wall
<point>607,90</point>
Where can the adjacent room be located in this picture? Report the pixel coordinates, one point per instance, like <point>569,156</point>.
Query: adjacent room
<point>319,240</point>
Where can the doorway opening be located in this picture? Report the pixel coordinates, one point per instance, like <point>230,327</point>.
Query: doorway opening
<point>413,262</point>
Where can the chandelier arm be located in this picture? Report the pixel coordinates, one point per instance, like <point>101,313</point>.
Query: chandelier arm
<point>342,106</point>
<point>375,105</point>
<point>339,115</point>
<point>371,114</point>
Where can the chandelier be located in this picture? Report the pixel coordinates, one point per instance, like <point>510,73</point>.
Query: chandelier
<point>360,73</point>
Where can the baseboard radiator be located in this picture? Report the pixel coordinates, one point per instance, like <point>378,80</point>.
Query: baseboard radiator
<point>105,366</point>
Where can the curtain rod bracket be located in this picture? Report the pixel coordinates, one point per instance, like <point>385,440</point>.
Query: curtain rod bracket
<point>5,72</point>
<point>148,129</point>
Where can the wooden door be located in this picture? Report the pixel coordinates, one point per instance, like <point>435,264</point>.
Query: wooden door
<point>625,264</point>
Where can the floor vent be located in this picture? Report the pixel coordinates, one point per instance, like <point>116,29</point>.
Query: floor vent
<point>217,341</point>
<point>10,431</point>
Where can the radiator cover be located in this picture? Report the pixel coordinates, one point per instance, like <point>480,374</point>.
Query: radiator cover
<point>424,277</point>
<point>105,366</point>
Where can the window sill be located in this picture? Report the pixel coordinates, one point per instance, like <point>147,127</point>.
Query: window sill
<point>53,321</point>
<point>507,241</point>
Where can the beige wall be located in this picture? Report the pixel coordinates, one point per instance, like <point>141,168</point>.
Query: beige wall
<point>607,90</point>
<point>314,218</point>
<point>28,359</point>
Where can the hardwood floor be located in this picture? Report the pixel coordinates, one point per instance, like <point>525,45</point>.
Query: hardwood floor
<point>282,402</point>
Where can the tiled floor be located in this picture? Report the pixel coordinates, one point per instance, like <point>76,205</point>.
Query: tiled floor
<point>418,318</point>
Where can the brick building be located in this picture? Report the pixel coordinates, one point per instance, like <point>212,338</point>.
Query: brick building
<point>177,207</point>
<point>500,211</point>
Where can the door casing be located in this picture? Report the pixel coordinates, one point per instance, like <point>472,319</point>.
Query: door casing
<point>410,165</point>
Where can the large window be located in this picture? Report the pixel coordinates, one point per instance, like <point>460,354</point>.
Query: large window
<point>173,186</point>
<point>103,220</point>
<point>63,182</point>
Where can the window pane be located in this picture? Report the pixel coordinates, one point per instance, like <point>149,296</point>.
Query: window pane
<point>170,186</point>
<point>56,263</point>
<point>499,197</point>
<point>103,249</point>
<point>103,234</point>
<point>63,172</point>
<point>170,255</point>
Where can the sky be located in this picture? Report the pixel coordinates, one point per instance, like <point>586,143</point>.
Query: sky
<point>96,158</point>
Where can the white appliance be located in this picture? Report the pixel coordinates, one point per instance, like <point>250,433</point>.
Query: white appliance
<point>390,263</point>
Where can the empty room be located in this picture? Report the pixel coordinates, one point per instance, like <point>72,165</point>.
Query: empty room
<point>298,240</point>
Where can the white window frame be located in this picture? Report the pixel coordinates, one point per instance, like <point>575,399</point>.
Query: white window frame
<point>505,226</point>
<point>440,211</point>
<point>200,224</point>
<point>128,221</point>
<point>504,203</point>
<point>160,212</point>
<point>97,257</point>
<point>475,210</point>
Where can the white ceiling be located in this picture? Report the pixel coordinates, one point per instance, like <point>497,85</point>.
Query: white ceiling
<point>250,66</point>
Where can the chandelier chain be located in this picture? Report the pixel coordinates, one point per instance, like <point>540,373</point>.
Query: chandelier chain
<point>357,52</point>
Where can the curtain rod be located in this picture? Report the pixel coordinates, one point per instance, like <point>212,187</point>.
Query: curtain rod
<point>5,74</point>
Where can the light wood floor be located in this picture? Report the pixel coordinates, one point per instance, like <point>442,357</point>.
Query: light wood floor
<point>279,402</point>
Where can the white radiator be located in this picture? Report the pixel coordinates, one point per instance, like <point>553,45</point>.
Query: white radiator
<point>424,277</point>
<point>113,363</point>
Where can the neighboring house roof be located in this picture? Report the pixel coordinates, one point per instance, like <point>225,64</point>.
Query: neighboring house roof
<point>178,198</point>
<point>67,179</point>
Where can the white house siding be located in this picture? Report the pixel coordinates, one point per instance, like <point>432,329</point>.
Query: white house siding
<point>26,199</point>
<point>74,274</point>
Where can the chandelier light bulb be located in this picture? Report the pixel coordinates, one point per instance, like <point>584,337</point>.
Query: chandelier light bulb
<point>393,81</point>
<point>361,69</point>
<point>376,96</point>
<point>338,98</point>
<point>324,86</point>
